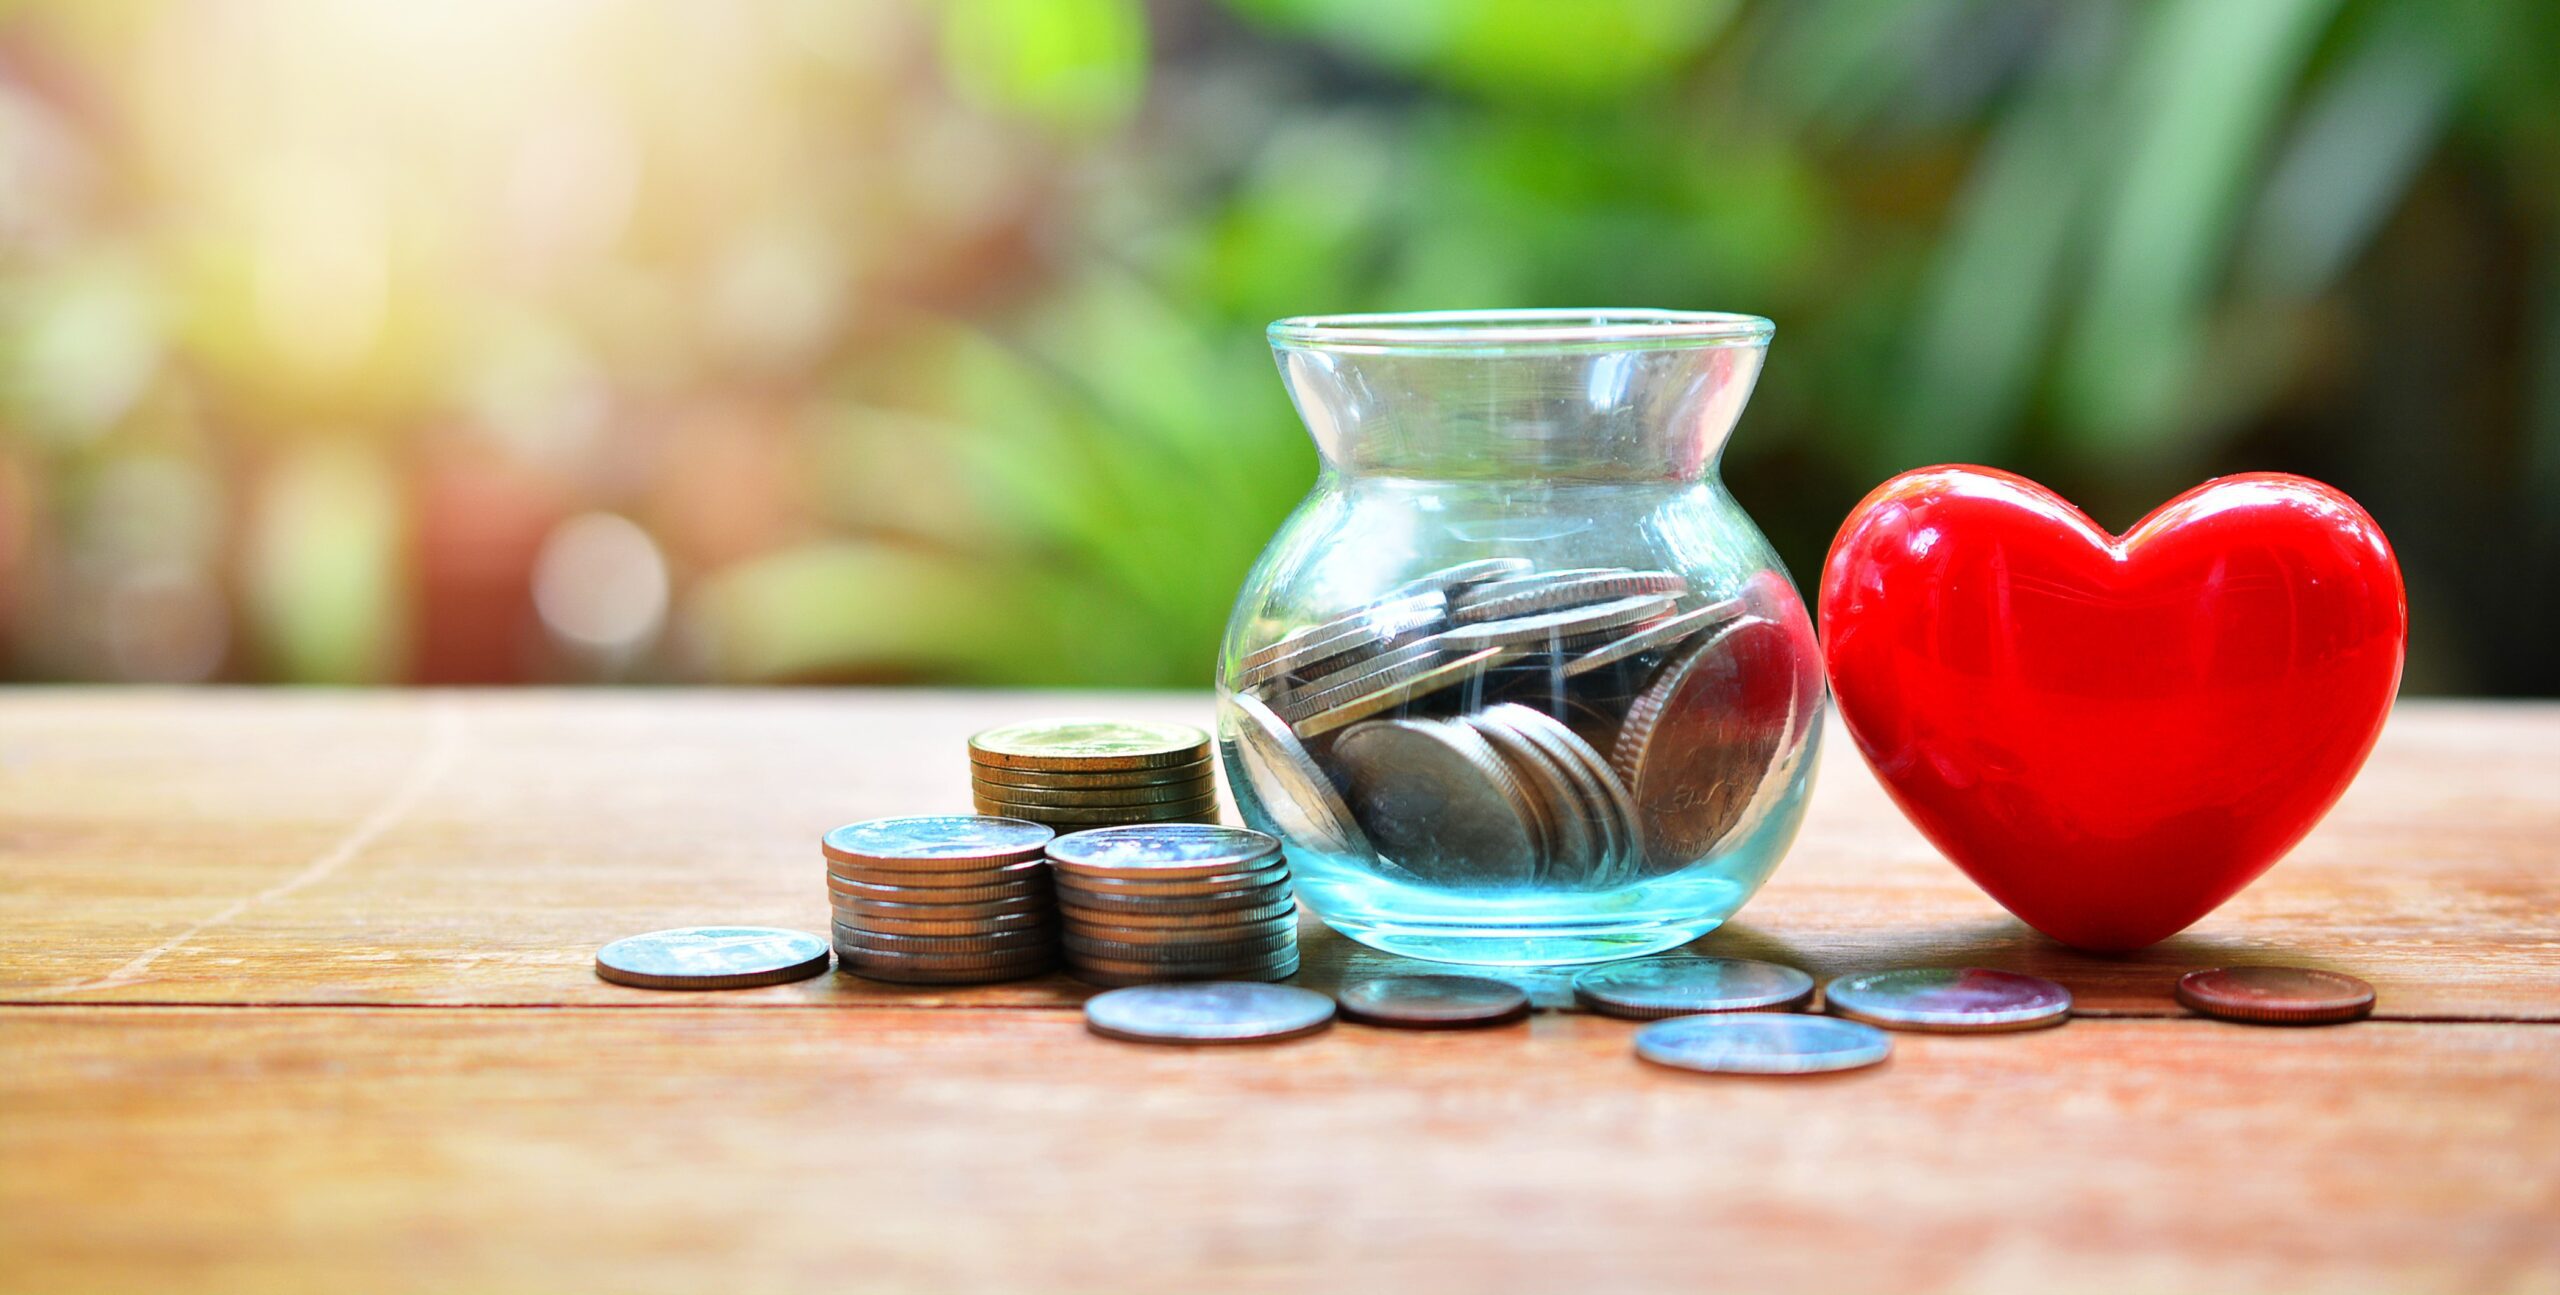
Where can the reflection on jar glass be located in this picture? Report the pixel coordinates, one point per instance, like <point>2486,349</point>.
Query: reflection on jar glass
<point>1518,681</point>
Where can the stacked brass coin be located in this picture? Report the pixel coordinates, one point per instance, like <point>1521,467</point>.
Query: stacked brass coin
<point>1174,901</point>
<point>942,900</point>
<point>1075,774</point>
<point>1492,726</point>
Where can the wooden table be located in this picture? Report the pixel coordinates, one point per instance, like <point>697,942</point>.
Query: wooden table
<point>295,995</point>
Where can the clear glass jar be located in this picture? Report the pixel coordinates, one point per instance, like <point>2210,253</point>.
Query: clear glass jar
<point>1518,682</point>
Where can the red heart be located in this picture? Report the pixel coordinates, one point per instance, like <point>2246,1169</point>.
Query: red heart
<point>2112,736</point>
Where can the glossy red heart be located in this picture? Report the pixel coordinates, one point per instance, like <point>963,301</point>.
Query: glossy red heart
<point>2111,735</point>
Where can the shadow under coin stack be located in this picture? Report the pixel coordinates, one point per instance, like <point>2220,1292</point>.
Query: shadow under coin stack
<point>1071,775</point>
<point>1161,902</point>
<point>942,900</point>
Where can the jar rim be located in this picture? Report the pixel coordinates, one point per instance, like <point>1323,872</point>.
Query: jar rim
<point>1482,332</point>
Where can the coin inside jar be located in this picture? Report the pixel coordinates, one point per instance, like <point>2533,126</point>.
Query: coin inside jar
<point>1433,1002</point>
<point>1952,1000</point>
<point>2276,995</point>
<point>1437,800</point>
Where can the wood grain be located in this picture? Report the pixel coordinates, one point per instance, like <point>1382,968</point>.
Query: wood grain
<point>700,1149</point>
<point>475,848</point>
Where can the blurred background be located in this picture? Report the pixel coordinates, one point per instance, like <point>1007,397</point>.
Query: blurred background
<point>834,340</point>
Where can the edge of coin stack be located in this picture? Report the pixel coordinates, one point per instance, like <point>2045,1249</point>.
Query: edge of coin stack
<point>942,899</point>
<point>1144,903</point>
<point>1070,775</point>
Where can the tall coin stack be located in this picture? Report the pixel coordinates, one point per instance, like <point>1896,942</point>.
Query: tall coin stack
<point>1071,775</point>
<point>1186,901</point>
<point>942,900</point>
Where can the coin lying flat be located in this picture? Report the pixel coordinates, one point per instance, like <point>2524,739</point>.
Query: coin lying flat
<point>1762,1043</point>
<point>712,957</point>
<point>1570,625</point>
<point>1449,580</point>
<point>1204,895</point>
<point>1011,878</point>
<point>1286,780</point>
<point>1214,1012</point>
<point>1661,635</point>
<point>1434,1002</point>
<point>1023,921</point>
<point>1089,745</point>
<point>1952,1000</point>
<point>1362,629</point>
<point>1074,819</point>
<point>1161,850</point>
<point>1437,800</point>
<point>936,842</point>
<point>1650,988</point>
<point>1226,915</point>
<point>1037,904</point>
<point>2276,995</point>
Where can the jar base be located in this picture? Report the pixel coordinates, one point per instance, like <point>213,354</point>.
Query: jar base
<point>1538,946</point>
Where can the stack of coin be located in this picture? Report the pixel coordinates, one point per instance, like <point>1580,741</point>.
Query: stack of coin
<point>1491,725</point>
<point>1187,901</point>
<point>1071,775</point>
<point>942,900</point>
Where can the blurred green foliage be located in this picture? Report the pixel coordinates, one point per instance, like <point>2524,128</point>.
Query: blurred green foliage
<point>925,343</point>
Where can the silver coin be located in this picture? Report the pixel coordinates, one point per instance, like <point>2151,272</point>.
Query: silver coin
<point>1557,595</point>
<point>1096,798</point>
<point>1525,581</point>
<point>992,943</point>
<point>1207,1013</point>
<point>1434,1002</point>
<point>1034,920</point>
<point>1659,636</point>
<point>712,957</point>
<point>936,841</point>
<point>1038,904</point>
<point>1549,629</point>
<point>1201,771</point>
<point>1613,812</point>
<point>1762,1043</point>
<point>1175,946</point>
<point>1379,673</point>
<point>1118,980</point>
<point>1385,696</point>
<point>1172,851</point>
<point>1703,746</point>
<point>865,961</point>
<point>906,973</point>
<point>1077,820</point>
<point>1014,877</point>
<point>1300,799</point>
<point>1362,628</point>
<point>1647,988</point>
<point>1034,888</point>
<point>1188,919</point>
<point>1949,1000</point>
<point>1243,966</point>
<point>1566,843</point>
<point>1437,801</point>
<point>1092,892</point>
<point>1159,898</point>
<point>1450,579</point>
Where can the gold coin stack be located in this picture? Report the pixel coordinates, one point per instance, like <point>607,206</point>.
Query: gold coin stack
<point>948,899</point>
<point>1174,901</point>
<point>1075,774</point>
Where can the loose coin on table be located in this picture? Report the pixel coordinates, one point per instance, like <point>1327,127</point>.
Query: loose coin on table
<point>1950,1000</point>
<point>1762,1043</point>
<point>1207,1012</point>
<point>712,957</point>
<point>1648,988</point>
<point>1434,1002</point>
<point>2276,995</point>
<point>1088,745</point>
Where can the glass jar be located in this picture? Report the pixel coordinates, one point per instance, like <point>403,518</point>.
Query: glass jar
<point>1518,682</point>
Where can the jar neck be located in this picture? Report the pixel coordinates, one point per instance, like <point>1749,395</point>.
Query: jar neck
<point>1601,413</point>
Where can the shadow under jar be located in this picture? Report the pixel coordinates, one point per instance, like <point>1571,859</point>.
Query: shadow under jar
<point>1518,682</point>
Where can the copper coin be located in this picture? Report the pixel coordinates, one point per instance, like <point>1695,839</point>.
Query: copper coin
<point>1434,1002</point>
<point>1026,921</point>
<point>1037,902</point>
<point>2276,995</point>
<point>1089,745</point>
<point>1644,989</point>
<point>935,843</point>
<point>1020,940</point>
<point>987,775</point>
<point>1075,819</point>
